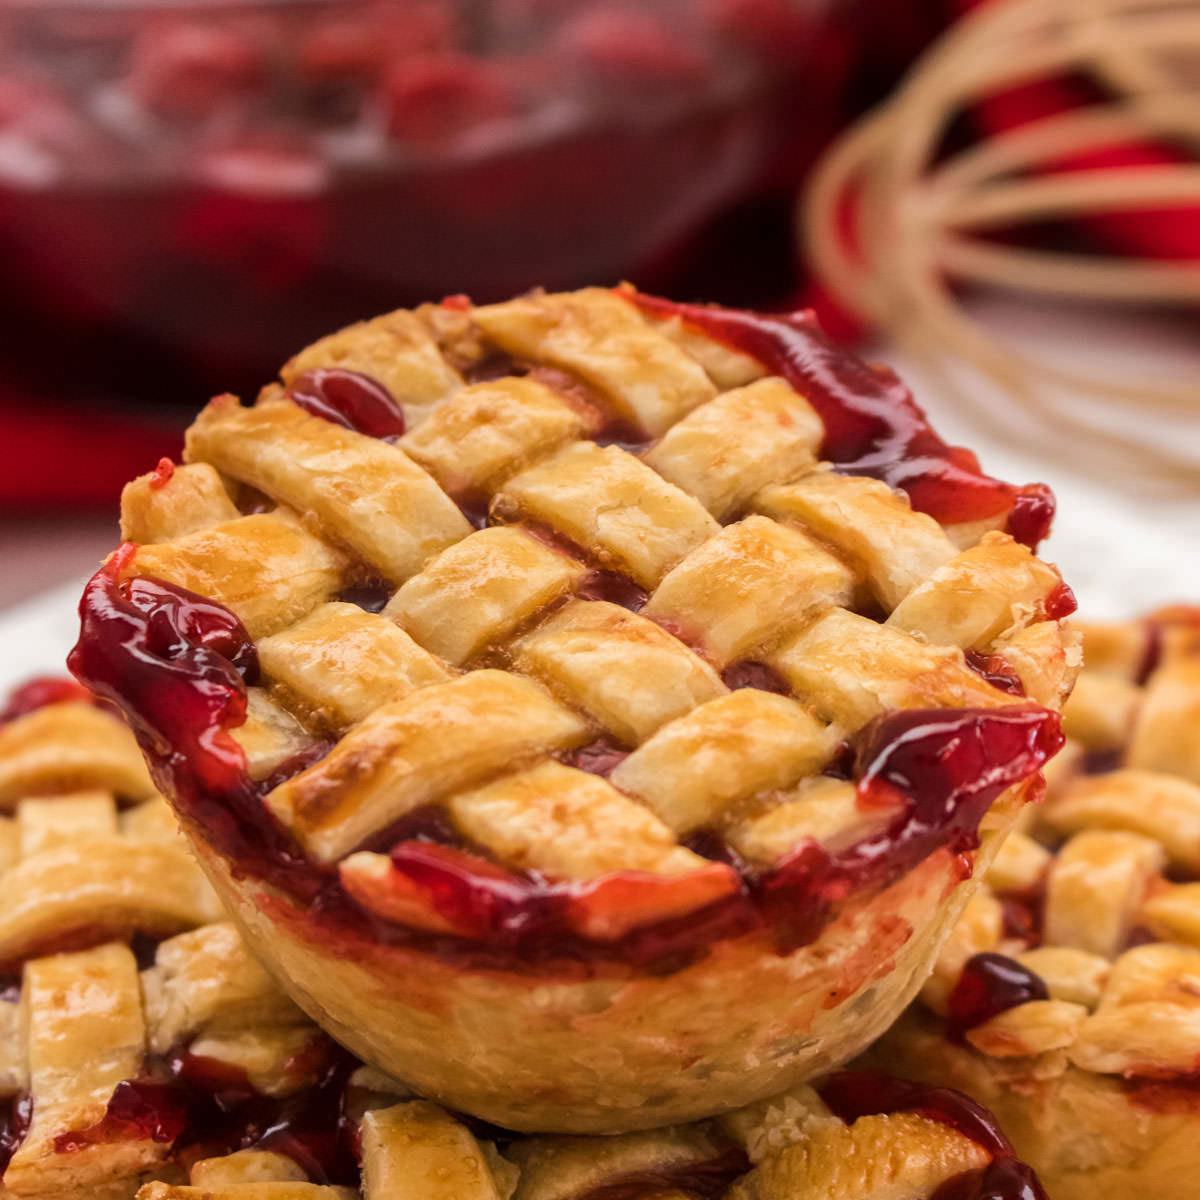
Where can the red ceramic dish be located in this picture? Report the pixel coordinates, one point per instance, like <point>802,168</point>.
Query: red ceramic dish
<point>196,188</point>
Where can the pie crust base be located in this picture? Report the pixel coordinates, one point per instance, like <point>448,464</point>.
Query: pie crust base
<point>621,1050</point>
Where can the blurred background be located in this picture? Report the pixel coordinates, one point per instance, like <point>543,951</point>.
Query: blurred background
<point>1001,196</point>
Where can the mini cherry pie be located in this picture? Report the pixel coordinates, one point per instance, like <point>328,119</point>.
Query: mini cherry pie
<point>166,1064</point>
<point>590,707</point>
<point>1068,997</point>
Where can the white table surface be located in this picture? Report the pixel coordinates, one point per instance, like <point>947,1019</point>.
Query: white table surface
<point>1124,543</point>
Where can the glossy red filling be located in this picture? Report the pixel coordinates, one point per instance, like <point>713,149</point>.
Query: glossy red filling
<point>311,1126</point>
<point>140,1109</point>
<point>996,671</point>
<point>873,426</point>
<point>854,1094</point>
<point>1022,913</point>
<point>16,1115</point>
<point>940,770</point>
<point>41,693</point>
<point>989,985</point>
<point>1004,1179</point>
<point>178,665</point>
<point>202,1108</point>
<point>1059,603</point>
<point>351,399</point>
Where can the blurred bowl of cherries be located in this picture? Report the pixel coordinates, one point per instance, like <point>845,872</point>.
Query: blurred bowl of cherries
<point>191,190</point>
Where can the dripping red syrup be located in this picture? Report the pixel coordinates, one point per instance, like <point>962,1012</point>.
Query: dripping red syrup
<point>41,693</point>
<point>873,426</point>
<point>351,399</point>
<point>989,985</point>
<point>179,664</point>
<point>941,770</point>
<point>854,1094</point>
<point>996,671</point>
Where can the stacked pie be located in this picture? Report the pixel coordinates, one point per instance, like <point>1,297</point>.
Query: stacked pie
<point>1068,997</point>
<point>594,710</point>
<point>145,1053</point>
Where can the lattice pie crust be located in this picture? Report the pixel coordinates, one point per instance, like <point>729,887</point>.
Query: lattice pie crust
<point>542,701</point>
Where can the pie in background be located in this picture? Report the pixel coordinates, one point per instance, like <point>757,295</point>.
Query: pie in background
<point>1068,997</point>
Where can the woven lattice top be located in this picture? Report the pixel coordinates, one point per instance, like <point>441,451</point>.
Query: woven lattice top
<point>1097,902</point>
<point>601,603</point>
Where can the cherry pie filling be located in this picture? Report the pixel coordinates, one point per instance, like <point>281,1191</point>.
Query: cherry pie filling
<point>200,1107</point>
<point>203,1108</point>
<point>989,985</point>
<point>178,665</point>
<point>993,983</point>
<point>854,1094</point>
